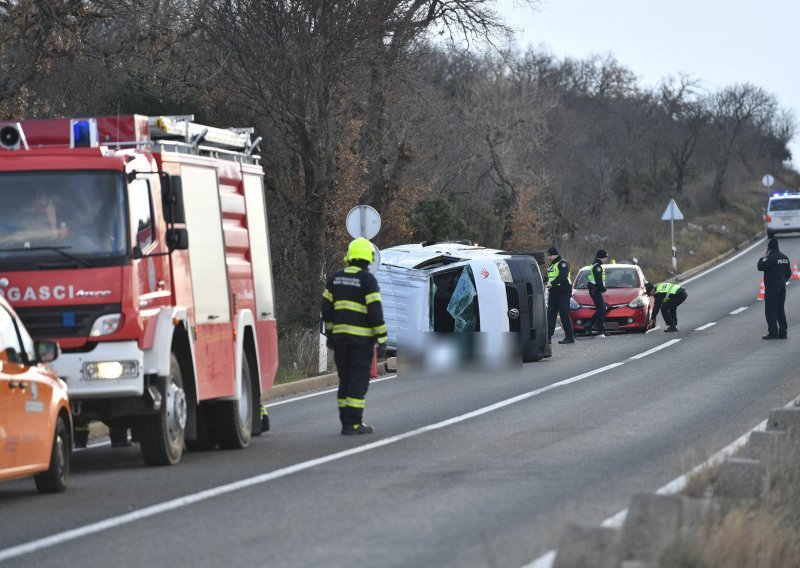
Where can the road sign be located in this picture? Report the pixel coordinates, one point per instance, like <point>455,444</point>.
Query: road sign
<point>768,180</point>
<point>672,213</point>
<point>363,221</point>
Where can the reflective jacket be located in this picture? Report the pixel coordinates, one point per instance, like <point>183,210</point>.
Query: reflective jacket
<point>559,276</point>
<point>597,278</point>
<point>663,292</point>
<point>351,308</point>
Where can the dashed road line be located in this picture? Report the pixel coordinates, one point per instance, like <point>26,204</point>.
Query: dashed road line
<point>702,327</point>
<point>738,310</point>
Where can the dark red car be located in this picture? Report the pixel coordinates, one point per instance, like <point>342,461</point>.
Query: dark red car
<point>628,304</point>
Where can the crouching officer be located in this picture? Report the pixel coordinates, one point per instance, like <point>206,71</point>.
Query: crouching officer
<point>666,297</point>
<point>353,316</point>
<point>597,287</point>
<point>775,266</point>
<point>559,284</point>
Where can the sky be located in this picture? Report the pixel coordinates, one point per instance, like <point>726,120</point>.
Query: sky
<point>719,43</point>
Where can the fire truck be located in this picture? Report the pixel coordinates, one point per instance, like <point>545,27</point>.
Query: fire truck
<point>140,244</point>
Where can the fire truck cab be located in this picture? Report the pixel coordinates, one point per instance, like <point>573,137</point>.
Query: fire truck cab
<point>140,244</point>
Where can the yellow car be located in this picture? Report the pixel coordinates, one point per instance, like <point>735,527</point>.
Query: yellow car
<point>35,417</point>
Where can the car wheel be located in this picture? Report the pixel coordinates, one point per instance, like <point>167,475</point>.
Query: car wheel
<point>54,480</point>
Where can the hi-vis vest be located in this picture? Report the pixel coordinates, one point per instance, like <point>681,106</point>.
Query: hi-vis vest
<point>667,288</point>
<point>591,274</point>
<point>554,271</point>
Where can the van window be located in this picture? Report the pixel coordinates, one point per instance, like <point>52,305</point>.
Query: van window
<point>454,301</point>
<point>788,204</point>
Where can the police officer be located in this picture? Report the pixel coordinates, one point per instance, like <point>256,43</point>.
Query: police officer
<point>353,316</point>
<point>559,284</point>
<point>775,266</point>
<point>597,287</point>
<point>666,297</point>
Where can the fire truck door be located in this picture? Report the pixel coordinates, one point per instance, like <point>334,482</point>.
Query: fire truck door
<point>214,344</point>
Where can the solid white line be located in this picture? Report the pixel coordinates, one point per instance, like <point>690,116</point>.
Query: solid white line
<point>654,349</point>
<point>296,398</point>
<point>721,264</point>
<point>738,310</point>
<point>702,327</point>
<point>180,502</point>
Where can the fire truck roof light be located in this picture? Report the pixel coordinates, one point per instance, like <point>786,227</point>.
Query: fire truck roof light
<point>83,133</point>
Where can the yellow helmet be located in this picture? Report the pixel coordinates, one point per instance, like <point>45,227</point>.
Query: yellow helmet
<point>360,248</point>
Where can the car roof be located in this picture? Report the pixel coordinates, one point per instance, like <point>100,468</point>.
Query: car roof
<point>615,265</point>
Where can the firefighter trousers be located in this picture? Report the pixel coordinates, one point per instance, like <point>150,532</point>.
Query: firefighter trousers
<point>353,364</point>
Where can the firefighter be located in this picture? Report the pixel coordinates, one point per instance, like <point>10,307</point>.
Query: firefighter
<point>775,266</point>
<point>559,284</point>
<point>597,287</point>
<point>353,316</point>
<point>666,297</point>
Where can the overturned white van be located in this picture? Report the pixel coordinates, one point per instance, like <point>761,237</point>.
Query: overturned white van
<point>446,287</point>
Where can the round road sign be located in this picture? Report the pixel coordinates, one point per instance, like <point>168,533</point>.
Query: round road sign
<point>363,221</point>
<point>768,180</point>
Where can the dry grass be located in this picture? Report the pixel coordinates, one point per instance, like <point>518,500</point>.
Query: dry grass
<point>765,534</point>
<point>298,355</point>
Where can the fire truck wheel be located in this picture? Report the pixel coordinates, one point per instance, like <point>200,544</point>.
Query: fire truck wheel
<point>54,480</point>
<point>233,418</point>
<point>161,434</point>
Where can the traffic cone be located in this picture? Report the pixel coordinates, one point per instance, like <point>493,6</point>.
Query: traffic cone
<point>795,275</point>
<point>761,291</point>
<point>373,373</point>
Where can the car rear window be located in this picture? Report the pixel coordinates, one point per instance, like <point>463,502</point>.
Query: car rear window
<point>788,204</point>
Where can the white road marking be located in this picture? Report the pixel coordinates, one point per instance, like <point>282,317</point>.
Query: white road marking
<point>317,393</point>
<point>652,330</point>
<point>702,327</point>
<point>180,502</point>
<point>654,349</point>
<point>738,310</point>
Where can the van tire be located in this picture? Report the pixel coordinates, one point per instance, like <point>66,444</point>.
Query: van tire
<point>161,435</point>
<point>54,480</point>
<point>233,419</point>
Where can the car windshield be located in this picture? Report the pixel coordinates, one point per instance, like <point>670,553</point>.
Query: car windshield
<point>61,217</point>
<point>616,277</point>
<point>786,204</point>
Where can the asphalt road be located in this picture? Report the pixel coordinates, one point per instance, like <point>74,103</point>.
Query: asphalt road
<point>463,471</point>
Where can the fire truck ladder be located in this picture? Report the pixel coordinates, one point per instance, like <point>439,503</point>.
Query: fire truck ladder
<point>182,128</point>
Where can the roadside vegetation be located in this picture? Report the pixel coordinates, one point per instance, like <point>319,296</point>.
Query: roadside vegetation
<point>381,102</point>
<point>764,533</point>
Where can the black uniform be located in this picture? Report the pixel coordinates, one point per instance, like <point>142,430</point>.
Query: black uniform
<point>560,292</point>
<point>775,266</point>
<point>353,316</point>
<point>667,298</point>
<point>596,291</point>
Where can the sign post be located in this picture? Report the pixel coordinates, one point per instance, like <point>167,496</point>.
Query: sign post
<point>672,214</point>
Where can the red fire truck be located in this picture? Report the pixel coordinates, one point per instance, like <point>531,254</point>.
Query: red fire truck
<point>140,244</point>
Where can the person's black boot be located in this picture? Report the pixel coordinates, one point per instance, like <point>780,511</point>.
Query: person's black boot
<point>356,429</point>
<point>770,336</point>
<point>671,329</point>
<point>567,340</point>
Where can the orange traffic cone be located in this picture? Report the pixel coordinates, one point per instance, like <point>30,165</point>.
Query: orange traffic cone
<point>373,373</point>
<point>795,275</point>
<point>761,291</point>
